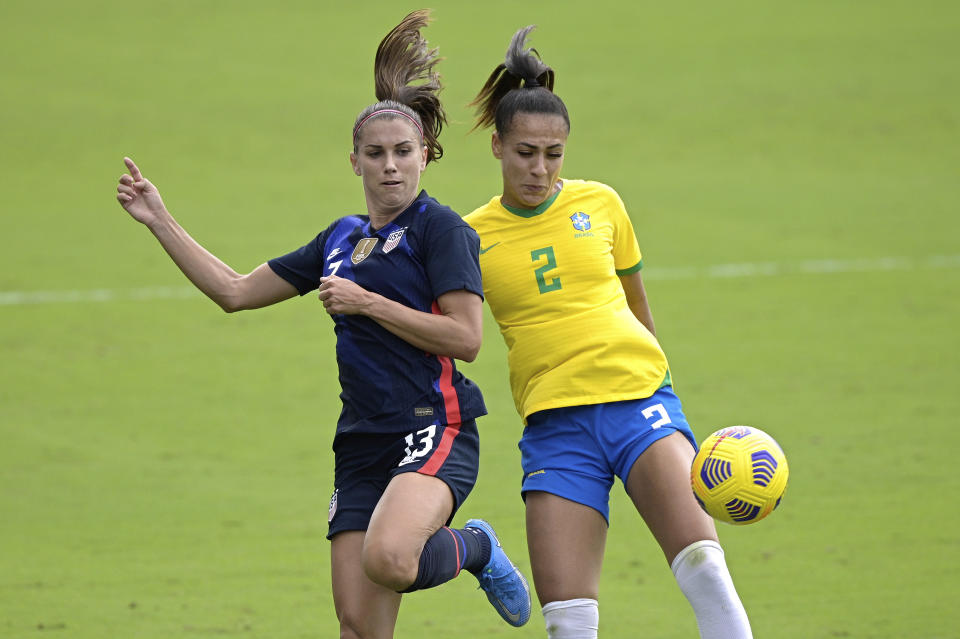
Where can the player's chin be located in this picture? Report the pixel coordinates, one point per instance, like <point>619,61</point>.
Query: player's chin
<point>532,199</point>
<point>394,195</point>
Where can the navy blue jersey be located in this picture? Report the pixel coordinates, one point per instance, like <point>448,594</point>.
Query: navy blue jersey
<point>388,385</point>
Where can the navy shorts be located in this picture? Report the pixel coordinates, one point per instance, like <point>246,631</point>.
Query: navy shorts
<point>366,462</point>
<point>576,451</point>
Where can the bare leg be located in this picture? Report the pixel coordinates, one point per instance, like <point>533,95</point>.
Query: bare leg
<point>412,508</point>
<point>566,542</point>
<point>365,610</point>
<point>659,485</point>
<point>370,567</point>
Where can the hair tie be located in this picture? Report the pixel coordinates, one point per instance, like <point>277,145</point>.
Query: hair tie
<point>531,83</point>
<point>356,130</point>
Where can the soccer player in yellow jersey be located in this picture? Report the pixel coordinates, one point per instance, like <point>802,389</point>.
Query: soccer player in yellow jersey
<point>561,272</point>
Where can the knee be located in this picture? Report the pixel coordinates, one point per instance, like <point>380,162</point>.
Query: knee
<point>389,564</point>
<point>704,557</point>
<point>355,626</point>
<point>350,628</point>
<point>700,569</point>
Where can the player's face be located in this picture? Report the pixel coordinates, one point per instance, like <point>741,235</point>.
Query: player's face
<point>531,156</point>
<point>390,158</point>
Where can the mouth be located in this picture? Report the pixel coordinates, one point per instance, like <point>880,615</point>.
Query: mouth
<point>391,183</point>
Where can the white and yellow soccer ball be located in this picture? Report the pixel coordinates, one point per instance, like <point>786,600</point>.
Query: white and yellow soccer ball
<point>739,475</point>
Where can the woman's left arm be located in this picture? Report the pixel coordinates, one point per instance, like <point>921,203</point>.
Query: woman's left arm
<point>637,299</point>
<point>457,331</point>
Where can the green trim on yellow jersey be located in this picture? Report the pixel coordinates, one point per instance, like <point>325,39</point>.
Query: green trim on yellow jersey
<point>666,380</point>
<point>630,271</point>
<point>543,206</point>
<point>553,287</point>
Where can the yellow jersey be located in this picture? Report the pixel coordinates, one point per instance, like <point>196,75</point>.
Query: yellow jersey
<point>550,276</point>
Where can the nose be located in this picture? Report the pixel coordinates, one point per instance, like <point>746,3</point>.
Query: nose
<point>390,165</point>
<point>539,167</point>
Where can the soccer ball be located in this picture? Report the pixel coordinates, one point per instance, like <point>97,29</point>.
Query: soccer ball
<point>739,475</point>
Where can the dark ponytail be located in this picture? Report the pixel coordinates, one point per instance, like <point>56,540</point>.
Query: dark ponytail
<point>521,84</point>
<point>403,59</point>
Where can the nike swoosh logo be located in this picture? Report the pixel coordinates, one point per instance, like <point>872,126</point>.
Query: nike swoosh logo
<point>484,250</point>
<point>514,617</point>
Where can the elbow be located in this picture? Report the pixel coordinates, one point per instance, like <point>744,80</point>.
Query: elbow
<point>233,298</point>
<point>469,351</point>
<point>230,303</point>
<point>467,356</point>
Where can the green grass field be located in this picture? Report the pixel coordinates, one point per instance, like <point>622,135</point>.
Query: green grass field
<point>165,468</point>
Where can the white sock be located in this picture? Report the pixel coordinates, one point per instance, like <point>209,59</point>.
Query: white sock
<point>572,619</point>
<point>703,577</point>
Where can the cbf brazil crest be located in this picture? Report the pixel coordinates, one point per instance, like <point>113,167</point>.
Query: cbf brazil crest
<point>581,221</point>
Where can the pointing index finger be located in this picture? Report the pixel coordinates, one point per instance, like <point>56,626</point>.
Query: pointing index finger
<point>134,171</point>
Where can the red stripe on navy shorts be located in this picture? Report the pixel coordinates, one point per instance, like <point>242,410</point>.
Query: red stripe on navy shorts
<point>440,455</point>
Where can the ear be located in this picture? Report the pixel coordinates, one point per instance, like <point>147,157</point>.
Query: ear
<point>496,145</point>
<point>423,160</point>
<point>355,163</point>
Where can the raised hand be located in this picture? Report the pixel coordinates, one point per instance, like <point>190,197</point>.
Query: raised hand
<point>139,196</point>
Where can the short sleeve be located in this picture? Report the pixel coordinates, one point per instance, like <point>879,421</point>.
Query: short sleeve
<point>626,252</point>
<point>303,267</point>
<point>452,260</point>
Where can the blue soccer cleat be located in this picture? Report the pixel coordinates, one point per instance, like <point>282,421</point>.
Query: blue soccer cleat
<point>503,582</point>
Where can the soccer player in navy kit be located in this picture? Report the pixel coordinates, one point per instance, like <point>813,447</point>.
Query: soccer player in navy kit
<point>403,287</point>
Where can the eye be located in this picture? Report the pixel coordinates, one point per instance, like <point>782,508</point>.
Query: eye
<point>404,151</point>
<point>556,155</point>
<point>525,154</point>
<point>373,154</point>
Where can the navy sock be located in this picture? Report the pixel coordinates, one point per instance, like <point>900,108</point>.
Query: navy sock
<point>447,552</point>
<point>477,549</point>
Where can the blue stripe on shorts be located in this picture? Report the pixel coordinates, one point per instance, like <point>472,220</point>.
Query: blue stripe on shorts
<point>575,452</point>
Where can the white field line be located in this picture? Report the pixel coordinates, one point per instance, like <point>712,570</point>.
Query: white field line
<point>15,298</point>
<point>716,271</point>
<point>803,267</point>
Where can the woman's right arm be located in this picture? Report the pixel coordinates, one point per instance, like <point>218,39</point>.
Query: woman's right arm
<point>229,289</point>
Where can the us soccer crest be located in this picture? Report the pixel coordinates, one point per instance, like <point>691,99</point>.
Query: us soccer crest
<point>393,239</point>
<point>363,249</point>
<point>581,221</point>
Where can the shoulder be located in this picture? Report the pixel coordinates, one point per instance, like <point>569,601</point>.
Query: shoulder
<point>484,213</point>
<point>591,188</point>
<point>341,226</point>
<point>434,212</point>
<point>346,222</point>
<point>436,219</point>
<point>604,198</point>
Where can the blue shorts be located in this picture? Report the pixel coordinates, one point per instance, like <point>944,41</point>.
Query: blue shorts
<point>575,452</point>
<point>366,462</point>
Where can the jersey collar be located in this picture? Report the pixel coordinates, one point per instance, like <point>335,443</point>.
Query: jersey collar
<point>419,205</point>
<point>537,211</point>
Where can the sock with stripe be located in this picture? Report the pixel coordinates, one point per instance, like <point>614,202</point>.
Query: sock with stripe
<point>447,552</point>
